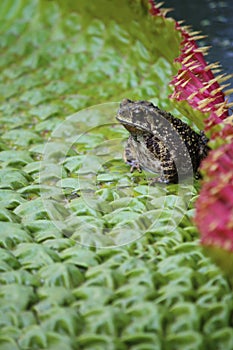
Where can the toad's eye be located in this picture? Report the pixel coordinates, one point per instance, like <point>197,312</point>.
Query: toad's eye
<point>125,102</point>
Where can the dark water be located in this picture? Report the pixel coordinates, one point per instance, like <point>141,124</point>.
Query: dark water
<point>214,19</point>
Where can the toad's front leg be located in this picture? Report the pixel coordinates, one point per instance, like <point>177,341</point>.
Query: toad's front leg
<point>130,157</point>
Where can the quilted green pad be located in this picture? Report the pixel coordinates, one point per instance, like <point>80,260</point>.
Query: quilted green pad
<point>102,261</point>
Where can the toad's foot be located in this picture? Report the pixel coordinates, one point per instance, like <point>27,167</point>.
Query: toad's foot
<point>129,159</point>
<point>158,180</point>
<point>134,166</point>
<point>163,180</point>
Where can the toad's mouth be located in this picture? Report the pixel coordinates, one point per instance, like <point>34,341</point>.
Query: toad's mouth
<point>132,128</point>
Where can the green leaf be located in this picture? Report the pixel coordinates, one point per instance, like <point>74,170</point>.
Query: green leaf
<point>11,331</point>
<point>32,210</point>
<point>61,274</point>
<point>21,138</point>
<point>10,199</point>
<point>7,215</point>
<point>52,296</point>
<point>81,257</point>
<point>20,277</point>
<point>58,341</point>
<point>86,297</point>
<point>218,316</point>
<point>61,320</point>
<point>34,256</point>
<point>59,243</point>
<point>34,97</point>
<point>43,112</point>
<point>33,337</point>
<point>88,340</point>
<point>7,343</point>
<point>69,183</point>
<point>12,234</point>
<point>41,209</point>
<point>12,179</point>
<point>186,340</point>
<point>142,338</point>
<point>222,338</point>
<point>16,158</point>
<point>184,316</point>
<point>120,216</point>
<point>16,297</point>
<point>9,259</point>
<point>43,230</point>
<point>73,163</point>
<point>144,316</point>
